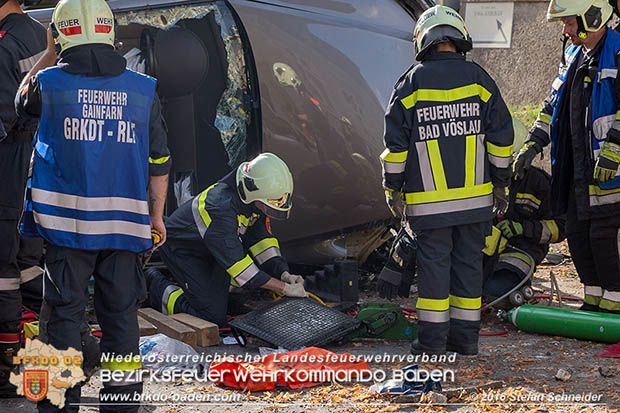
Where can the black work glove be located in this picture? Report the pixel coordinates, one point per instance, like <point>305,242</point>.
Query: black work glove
<point>388,283</point>
<point>405,284</point>
<point>500,200</point>
<point>525,157</point>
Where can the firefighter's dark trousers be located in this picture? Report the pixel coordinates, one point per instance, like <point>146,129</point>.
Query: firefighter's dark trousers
<point>595,248</point>
<point>450,285</point>
<point>199,285</point>
<point>119,288</point>
<point>14,160</point>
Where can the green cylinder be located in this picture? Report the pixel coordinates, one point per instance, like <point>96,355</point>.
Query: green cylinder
<point>584,325</point>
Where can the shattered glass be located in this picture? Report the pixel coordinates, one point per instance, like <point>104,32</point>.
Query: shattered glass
<point>233,111</point>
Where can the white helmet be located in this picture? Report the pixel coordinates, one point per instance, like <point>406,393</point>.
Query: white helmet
<point>266,179</point>
<point>592,15</point>
<point>78,22</point>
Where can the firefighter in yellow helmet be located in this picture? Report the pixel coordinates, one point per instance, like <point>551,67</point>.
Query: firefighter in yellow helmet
<point>223,237</point>
<point>580,119</point>
<point>448,138</point>
<point>95,220</point>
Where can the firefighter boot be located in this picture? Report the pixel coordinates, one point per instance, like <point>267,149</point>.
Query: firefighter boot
<point>9,346</point>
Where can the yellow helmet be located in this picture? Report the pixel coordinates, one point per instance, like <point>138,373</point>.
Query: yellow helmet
<point>268,180</point>
<point>592,15</point>
<point>78,22</point>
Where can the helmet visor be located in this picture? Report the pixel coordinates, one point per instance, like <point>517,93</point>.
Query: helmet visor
<point>273,213</point>
<point>282,203</point>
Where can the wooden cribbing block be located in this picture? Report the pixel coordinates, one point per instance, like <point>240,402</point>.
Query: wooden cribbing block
<point>169,326</point>
<point>146,327</point>
<point>207,332</point>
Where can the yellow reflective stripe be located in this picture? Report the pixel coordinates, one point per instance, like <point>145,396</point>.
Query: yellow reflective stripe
<point>123,365</point>
<point>470,161</point>
<point>159,161</point>
<point>397,157</point>
<point>238,267</point>
<point>501,151</point>
<point>591,299</point>
<point>466,303</point>
<point>553,227</point>
<point>234,283</point>
<point>544,118</point>
<point>530,197</point>
<point>450,194</point>
<point>595,190</point>
<point>172,299</point>
<point>450,95</point>
<point>437,165</point>
<point>263,246</point>
<point>618,115</point>
<point>433,304</point>
<point>243,220</point>
<point>503,241</point>
<point>609,305</point>
<point>201,207</point>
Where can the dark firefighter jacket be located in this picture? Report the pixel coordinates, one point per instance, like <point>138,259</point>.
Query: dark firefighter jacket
<point>530,205</point>
<point>236,235</point>
<point>448,138</point>
<point>573,154</point>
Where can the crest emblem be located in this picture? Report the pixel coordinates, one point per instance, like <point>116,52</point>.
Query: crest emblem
<point>36,384</point>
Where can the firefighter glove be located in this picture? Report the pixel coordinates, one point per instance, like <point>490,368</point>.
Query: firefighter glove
<point>388,283</point>
<point>291,278</point>
<point>395,202</point>
<point>500,200</point>
<point>510,228</point>
<point>294,290</point>
<point>525,157</point>
<point>607,162</point>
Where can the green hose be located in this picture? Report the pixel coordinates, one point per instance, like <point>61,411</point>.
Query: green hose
<point>579,324</point>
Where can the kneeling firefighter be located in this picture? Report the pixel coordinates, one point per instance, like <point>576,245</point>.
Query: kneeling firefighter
<point>223,237</point>
<point>527,226</point>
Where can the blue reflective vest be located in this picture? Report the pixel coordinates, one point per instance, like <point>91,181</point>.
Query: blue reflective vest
<point>90,173</point>
<point>604,105</point>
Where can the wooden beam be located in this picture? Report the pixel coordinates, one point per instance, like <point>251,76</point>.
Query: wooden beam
<point>169,326</point>
<point>207,332</point>
<point>146,327</point>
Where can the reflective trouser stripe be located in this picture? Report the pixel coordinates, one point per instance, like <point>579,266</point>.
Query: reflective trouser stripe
<point>592,294</point>
<point>433,316</point>
<point>610,301</point>
<point>463,308</point>
<point>434,304</point>
<point>600,196</point>
<point>127,367</point>
<point>243,271</point>
<point>463,314</point>
<point>30,274</point>
<point>9,284</point>
<point>169,298</point>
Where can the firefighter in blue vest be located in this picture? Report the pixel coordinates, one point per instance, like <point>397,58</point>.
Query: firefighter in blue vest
<point>448,138</point>
<point>581,120</point>
<point>223,237</point>
<point>98,188</point>
<point>22,39</point>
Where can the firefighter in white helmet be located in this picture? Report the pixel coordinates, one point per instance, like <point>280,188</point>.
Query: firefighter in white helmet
<point>99,184</point>
<point>580,119</point>
<point>448,138</point>
<point>223,237</point>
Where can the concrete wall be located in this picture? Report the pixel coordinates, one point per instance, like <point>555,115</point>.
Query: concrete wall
<point>525,71</point>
